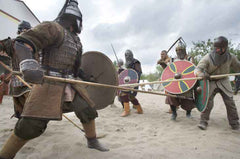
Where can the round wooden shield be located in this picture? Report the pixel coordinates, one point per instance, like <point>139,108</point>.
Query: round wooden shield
<point>178,70</point>
<point>128,76</point>
<point>101,68</point>
<point>202,95</point>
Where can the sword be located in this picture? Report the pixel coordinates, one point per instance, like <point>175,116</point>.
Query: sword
<point>114,53</point>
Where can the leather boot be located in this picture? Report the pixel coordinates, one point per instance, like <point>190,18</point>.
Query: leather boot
<point>188,114</point>
<point>12,146</point>
<point>235,127</point>
<point>126,111</point>
<point>174,112</point>
<point>134,106</point>
<point>203,125</point>
<point>93,143</point>
<point>139,109</point>
<point>174,116</point>
<point>90,134</point>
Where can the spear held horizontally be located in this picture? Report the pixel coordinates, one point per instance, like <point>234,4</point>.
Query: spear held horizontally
<point>107,85</point>
<point>184,79</point>
<point>72,81</point>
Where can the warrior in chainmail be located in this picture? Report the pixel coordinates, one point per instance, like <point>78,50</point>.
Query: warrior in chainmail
<point>174,102</point>
<point>62,51</point>
<point>17,89</point>
<point>217,62</point>
<point>126,97</point>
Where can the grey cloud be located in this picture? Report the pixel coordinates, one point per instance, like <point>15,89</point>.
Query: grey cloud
<point>146,19</point>
<point>210,19</point>
<point>154,25</point>
<point>150,24</point>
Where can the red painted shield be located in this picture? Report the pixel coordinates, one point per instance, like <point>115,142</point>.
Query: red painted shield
<point>128,76</point>
<point>184,69</point>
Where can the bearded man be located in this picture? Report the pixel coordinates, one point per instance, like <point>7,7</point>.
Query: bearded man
<point>174,102</point>
<point>126,97</point>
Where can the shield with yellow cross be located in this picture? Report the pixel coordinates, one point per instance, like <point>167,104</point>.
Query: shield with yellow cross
<point>179,70</point>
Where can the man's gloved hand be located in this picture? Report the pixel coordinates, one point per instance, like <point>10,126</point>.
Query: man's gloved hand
<point>204,75</point>
<point>31,71</point>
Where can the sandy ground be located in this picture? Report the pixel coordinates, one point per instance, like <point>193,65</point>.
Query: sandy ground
<point>151,135</point>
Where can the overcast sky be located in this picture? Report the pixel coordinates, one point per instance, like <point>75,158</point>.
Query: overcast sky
<point>147,26</point>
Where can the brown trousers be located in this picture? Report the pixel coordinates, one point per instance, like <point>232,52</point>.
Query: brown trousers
<point>232,113</point>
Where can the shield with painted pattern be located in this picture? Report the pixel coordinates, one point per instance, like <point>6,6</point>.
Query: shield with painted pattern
<point>202,94</point>
<point>178,70</point>
<point>101,69</point>
<point>128,76</point>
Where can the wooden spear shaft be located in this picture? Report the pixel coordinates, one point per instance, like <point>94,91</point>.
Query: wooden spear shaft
<point>93,84</point>
<point>108,86</point>
<point>176,80</point>
<point>97,84</point>
<point>18,77</point>
<point>158,82</point>
<point>29,86</point>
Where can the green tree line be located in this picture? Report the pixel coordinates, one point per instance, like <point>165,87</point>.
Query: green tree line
<point>199,49</point>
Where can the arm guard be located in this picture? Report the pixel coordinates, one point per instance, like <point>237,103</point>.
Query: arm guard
<point>22,52</point>
<point>28,66</point>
